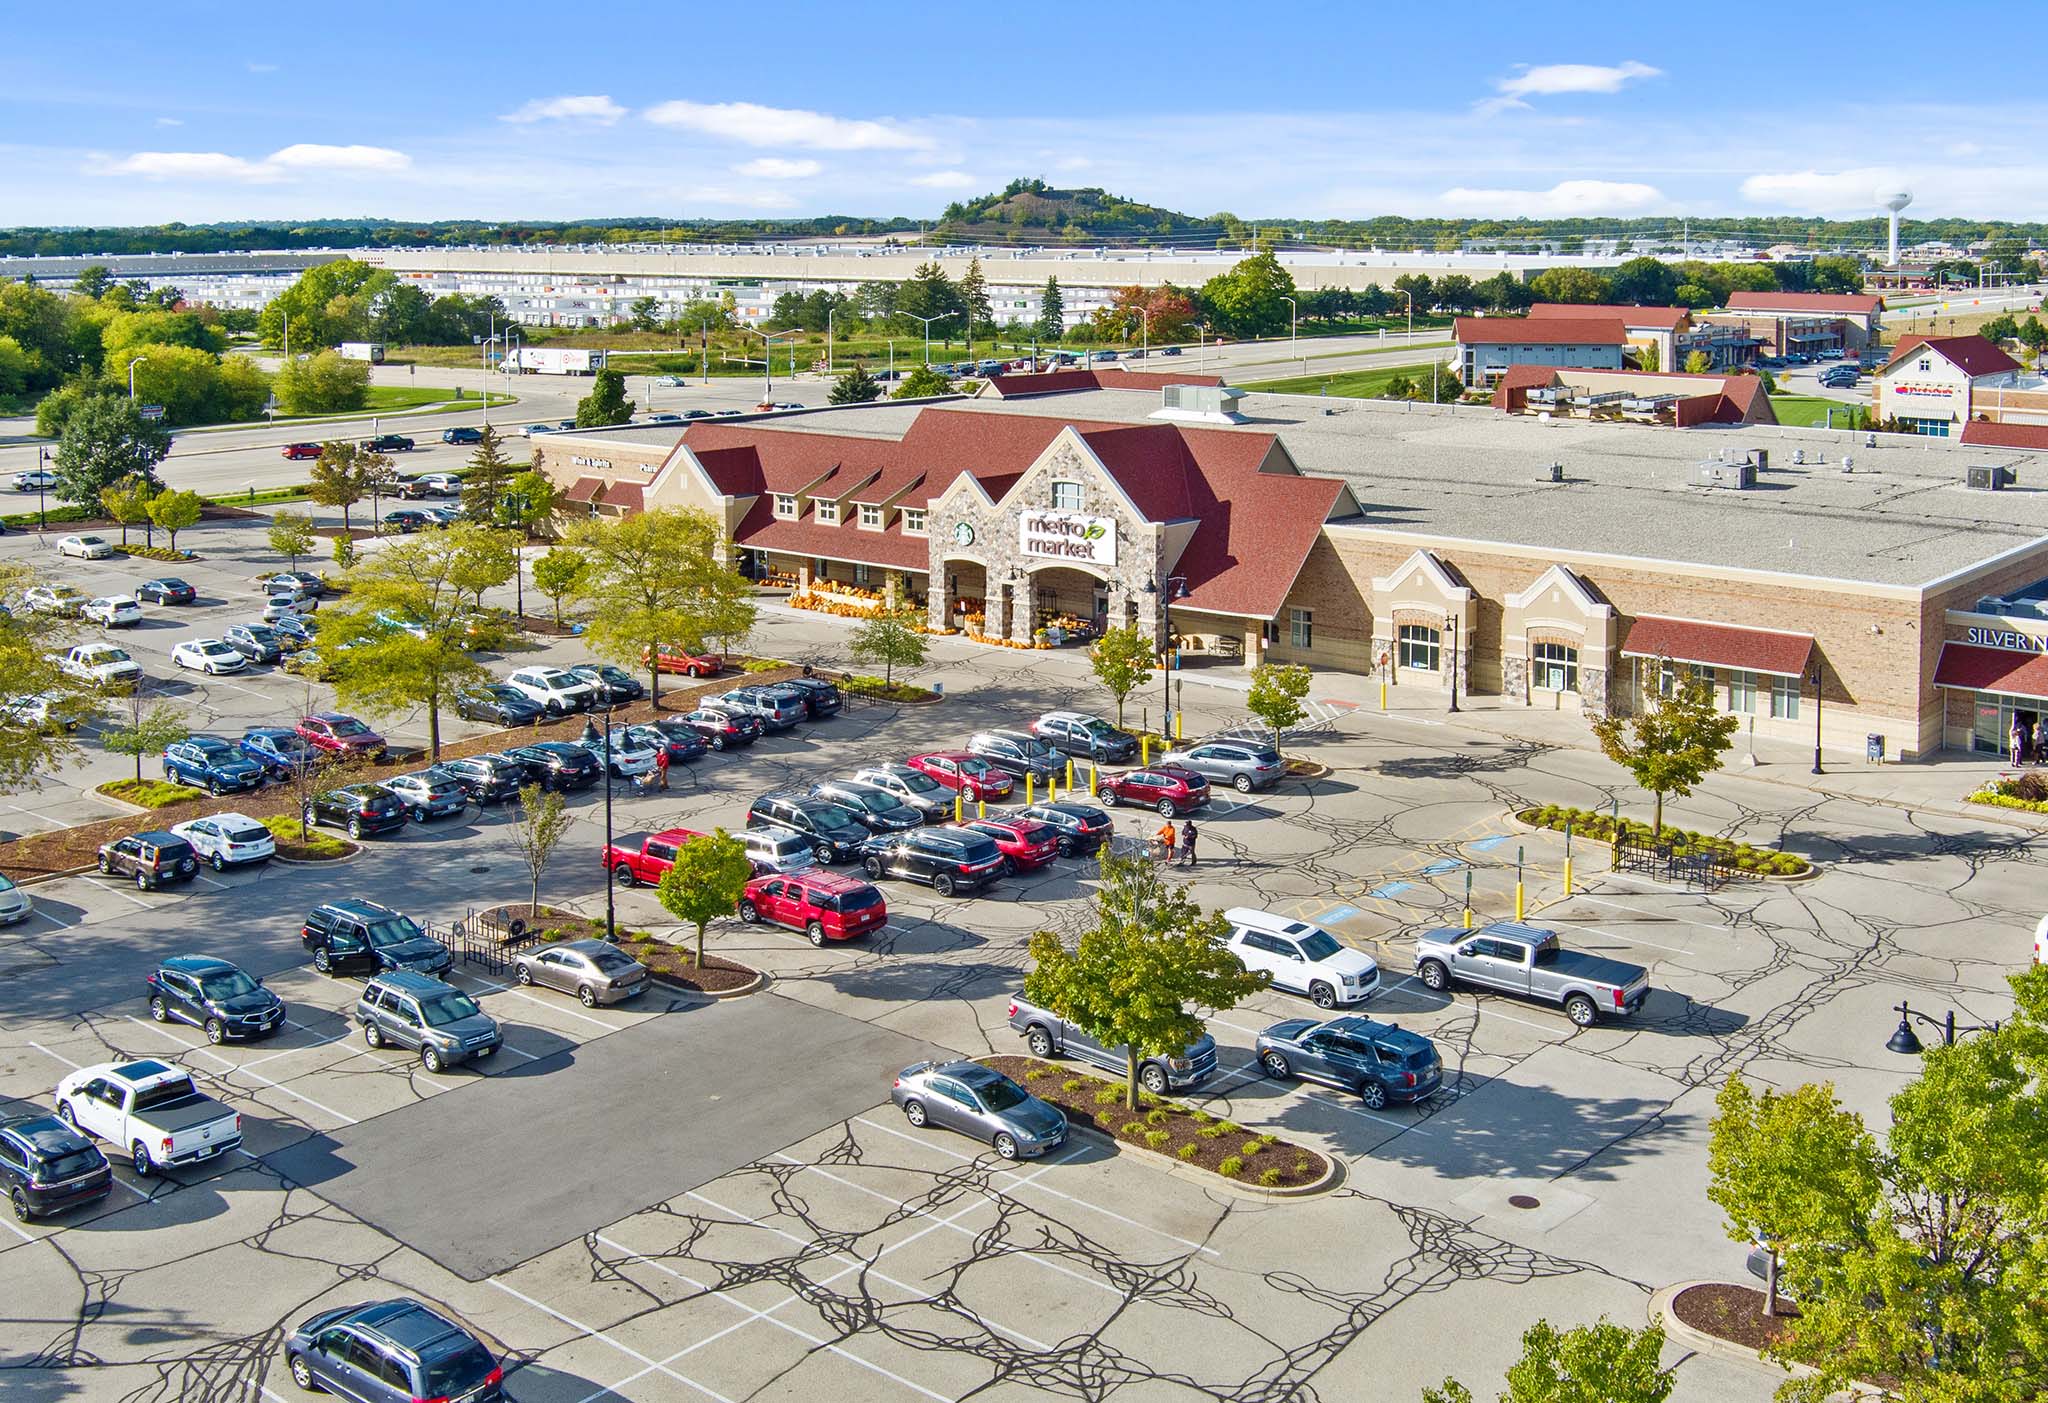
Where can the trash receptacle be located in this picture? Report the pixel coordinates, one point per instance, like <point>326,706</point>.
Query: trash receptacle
<point>938,689</point>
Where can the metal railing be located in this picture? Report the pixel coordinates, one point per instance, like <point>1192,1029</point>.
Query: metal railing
<point>481,939</point>
<point>1661,862</point>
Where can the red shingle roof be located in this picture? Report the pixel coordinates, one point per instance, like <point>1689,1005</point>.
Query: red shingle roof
<point>1857,304</point>
<point>585,489</point>
<point>1992,670</point>
<point>2006,435</point>
<point>1973,355</point>
<point>1664,318</point>
<point>1523,331</point>
<point>629,495</point>
<point>1719,645</point>
<point>1053,382</point>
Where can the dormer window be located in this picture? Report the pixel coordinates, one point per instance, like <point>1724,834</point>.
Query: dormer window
<point>785,507</point>
<point>828,512</point>
<point>1066,496</point>
<point>913,521</point>
<point>870,517</point>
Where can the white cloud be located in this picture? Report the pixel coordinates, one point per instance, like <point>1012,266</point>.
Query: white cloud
<point>945,180</point>
<point>278,165</point>
<point>339,158</point>
<point>777,168</point>
<point>593,108</point>
<point>170,121</point>
<point>751,124</point>
<point>1811,190</point>
<point>1553,79</point>
<point>1565,199</point>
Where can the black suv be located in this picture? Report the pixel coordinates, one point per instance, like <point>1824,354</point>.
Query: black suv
<point>821,698</point>
<point>362,809</point>
<point>47,1167</point>
<point>946,859</point>
<point>505,705</point>
<point>557,765</point>
<point>487,779</point>
<point>361,937</point>
<point>1018,752</point>
<point>1083,828</point>
<point>835,834</point>
<point>391,1352</point>
<point>876,810</point>
<point>615,686</point>
<point>215,997</point>
<point>721,729</point>
<point>152,858</point>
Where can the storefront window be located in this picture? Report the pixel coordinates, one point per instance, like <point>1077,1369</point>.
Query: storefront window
<point>1742,692</point>
<point>1555,667</point>
<point>1066,496</point>
<point>860,574</point>
<point>1418,647</point>
<point>1785,698</point>
<point>1301,628</point>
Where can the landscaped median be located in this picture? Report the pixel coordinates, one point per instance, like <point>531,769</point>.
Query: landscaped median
<point>669,964</point>
<point>149,793</point>
<point>295,844</point>
<point>1178,1132</point>
<point>2027,793</point>
<point>1683,842</point>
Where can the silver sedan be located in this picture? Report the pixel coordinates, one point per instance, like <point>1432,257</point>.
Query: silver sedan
<point>1243,765</point>
<point>981,1102</point>
<point>593,971</point>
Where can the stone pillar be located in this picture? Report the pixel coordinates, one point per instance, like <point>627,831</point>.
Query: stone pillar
<point>1254,645</point>
<point>1023,609</point>
<point>803,576</point>
<point>889,591</point>
<point>1593,692</point>
<point>1514,678</point>
<point>936,604</point>
<point>993,624</point>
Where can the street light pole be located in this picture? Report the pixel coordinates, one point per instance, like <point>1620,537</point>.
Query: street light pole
<point>610,910</point>
<point>927,334</point>
<point>1293,318</point>
<point>42,474</point>
<point>829,311</point>
<point>1905,1040</point>
<point>131,376</point>
<point>1451,627</point>
<point>1816,717</point>
<point>768,340</point>
<point>489,341</point>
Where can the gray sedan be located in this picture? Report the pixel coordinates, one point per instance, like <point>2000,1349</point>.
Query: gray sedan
<point>1243,765</point>
<point>982,1102</point>
<point>592,970</point>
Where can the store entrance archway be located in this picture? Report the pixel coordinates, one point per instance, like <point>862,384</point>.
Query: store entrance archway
<point>1072,602</point>
<point>962,590</point>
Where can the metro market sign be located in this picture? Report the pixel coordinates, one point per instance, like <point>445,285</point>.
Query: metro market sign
<point>1050,535</point>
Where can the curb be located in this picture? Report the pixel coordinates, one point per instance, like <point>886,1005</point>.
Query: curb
<point>1333,1172</point>
<point>1311,770</point>
<point>55,876</point>
<point>355,851</point>
<point>759,982</point>
<point>1660,1313</point>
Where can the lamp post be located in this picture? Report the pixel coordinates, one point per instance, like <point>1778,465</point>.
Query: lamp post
<point>1293,317</point>
<point>42,476</point>
<point>927,333</point>
<point>489,341</point>
<point>1816,716</point>
<point>131,376</point>
<point>611,928</point>
<point>1905,1041</point>
<point>829,311</point>
<point>768,340</point>
<point>1411,312</point>
<point>1451,627</point>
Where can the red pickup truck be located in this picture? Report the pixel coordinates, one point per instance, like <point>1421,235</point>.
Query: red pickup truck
<point>642,857</point>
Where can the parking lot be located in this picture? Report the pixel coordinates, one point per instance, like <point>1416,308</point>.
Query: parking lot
<point>678,1198</point>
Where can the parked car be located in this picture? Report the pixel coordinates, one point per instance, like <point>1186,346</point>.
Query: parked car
<point>112,611</point>
<point>820,698</point>
<point>1243,765</point>
<point>595,971</point>
<point>835,834</point>
<point>35,479</point>
<point>85,547</point>
<point>980,1102</point>
<point>47,1167</point>
<point>664,418</point>
<point>1528,961</point>
<point>1382,1064</point>
<point>151,858</point>
<point>722,730</point>
<point>1026,845</point>
<point>429,795</point>
<point>1301,957</point>
<point>299,451</point>
<point>486,779</point>
<point>914,787</point>
<point>557,765</point>
<point>671,382</point>
<point>463,435</point>
<point>1171,791</point>
<point>292,630</point>
<point>259,643</point>
<point>446,484</point>
<point>1089,737</point>
<point>823,905</point>
<point>212,764</point>
<point>395,1351</point>
<point>777,850</point>
<point>47,712</point>
<point>150,1108</point>
<point>621,754</point>
<point>165,589</point>
<point>208,655</point>
<point>946,859</point>
<point>227,840</point>
<point>1048,1035</point>
<point>497,702</point>
<point>388,443</point>
<point>14,902</point>
<point>555,691</point>
<point>364,810</point>
<point>874,808</point>
<point>214,997</point>
<point>282,753</point>
<point>281,609</point>
<point>62,600</point>
<point>354,936</point>
<point>676,739</point>
<point>420,1013</point>
<point>970,775</point>
<point>442,516</point>
<point>338,733</point>
<point>536,430</point>
<point>688,664</point>
<point>610,685</point>
<point>1018,752</point>
<point>404,521</point>
<point>776,711</point>
<point>301,582</point>
<point>633,858</point>
<point>101,664</point>
<point>565,425</point>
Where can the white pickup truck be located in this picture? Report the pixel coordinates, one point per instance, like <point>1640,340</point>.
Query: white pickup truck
<point>153,1109</point>
<point>1528,961</point>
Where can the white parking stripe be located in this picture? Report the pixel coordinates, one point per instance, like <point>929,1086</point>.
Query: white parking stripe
<point>1633,940</point>
<point>233,1068</point>
<point>18,1232</point>
<point>1252,1069</point>
<point>1679,920</point>
<point>121,892</point>
<point>58,1057</point>
<point>596,1334</point>
<point>496,987</point>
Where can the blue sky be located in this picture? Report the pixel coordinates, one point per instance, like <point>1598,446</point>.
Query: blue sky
<point>125,114</point>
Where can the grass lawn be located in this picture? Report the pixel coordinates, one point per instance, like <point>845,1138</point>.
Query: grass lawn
<point>1809,411</point>
<point>148,793</point>
<point>1351,384</point>
<point>316,846</point>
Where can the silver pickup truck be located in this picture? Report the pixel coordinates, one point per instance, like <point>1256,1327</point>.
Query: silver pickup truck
<point>152,1110</point>
<point>1049,1036</point>
<point>1527,960</point>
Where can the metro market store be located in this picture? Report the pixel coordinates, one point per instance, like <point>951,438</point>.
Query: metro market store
<point>1993,673</point>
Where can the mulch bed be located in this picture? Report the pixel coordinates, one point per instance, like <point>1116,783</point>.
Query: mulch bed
<point>1183,1125</point>
<point>669,964</point>
<point>1733,1313</point>
<point>67,849</point>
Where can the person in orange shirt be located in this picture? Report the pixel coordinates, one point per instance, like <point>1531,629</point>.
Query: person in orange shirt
<point>1165,838</point>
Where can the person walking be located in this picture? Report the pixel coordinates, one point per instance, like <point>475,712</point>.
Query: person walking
<point>661,768</point>
<point>1187,843</point>
<point>2019,744</point>
<point>1164,838</point>
<point>2041,740</point>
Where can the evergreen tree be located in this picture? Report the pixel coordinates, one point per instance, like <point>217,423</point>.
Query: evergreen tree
<point>974,299</point>
<point>1052,311</point>
<point>606,403</point>
<point>856,386</point>
<point>484,484</point>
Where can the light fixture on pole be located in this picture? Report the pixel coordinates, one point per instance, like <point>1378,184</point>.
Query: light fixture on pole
<point>1293,317</point>
<point>131,376</point>
<point>1451,627</point>
<point>1907,1043</point>
<point>1815,679</point>
<point>927,333</point>
<point>768,340</point>
<point>42,476</point>
<point>610,910</point>
<point>829,312</point>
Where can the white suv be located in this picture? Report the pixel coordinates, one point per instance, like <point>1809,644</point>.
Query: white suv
<point>555,691</point>
<point>1301,956</point>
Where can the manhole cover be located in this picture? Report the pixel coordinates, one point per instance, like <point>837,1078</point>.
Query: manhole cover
<point>479,869</point>
<point>1524,1201</point>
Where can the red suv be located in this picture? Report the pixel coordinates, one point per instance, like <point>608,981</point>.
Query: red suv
<point>296,451</point>
<point>970,774</point>
<point>689,664</point>
<point>340,734</point>
<point>1167,788</point>
<point>823,905</point>
<point>1024,843</point>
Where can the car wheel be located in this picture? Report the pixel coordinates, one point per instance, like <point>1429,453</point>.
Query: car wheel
<point>913,1111</point>
<point>1066,847</point>
<point>1580,1010</point>
<point>625,875</point>
<point>430,1059</point>
<point>158,1011</point>
<point>142,881</point>
<point>823,852</point>
<point>419,815</point>
<point>1434,976</point>
<point>355,828</point>
<point>20,1200</point>
<point>1009,868</point>
<point>1242,784</point>
<point>138,1154</point>
<point>216,1032</point>
<point>815,933</point>
<point>1322,995</point>
<point>1373,1095</point>
<point>1152,1077</point>
<point>373,1036</point>
<point>942,884</point>
<point>302,1374</point>
<point>213,788</point>
<point>1274,1064</point>
<point>588,995</point>
<point>1006,1144</point>
<point>1166,808</point>
<point>219,863</point>
<point>522,976</point>
<point>106,865</point>
<point>718,742</point>
<point>67,1115</point>
<point>322,964</point>
<point>1108,797</point>
<point>1039,1041</point>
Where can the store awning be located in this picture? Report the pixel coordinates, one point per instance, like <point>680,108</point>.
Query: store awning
<point>1976,669</point>
<point>585,490</point>
<point>1719,645</point>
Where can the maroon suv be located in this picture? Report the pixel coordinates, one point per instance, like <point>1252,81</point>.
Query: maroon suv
<point>1024,843</point>
<point>338,733</point>
<point>1167,788</point>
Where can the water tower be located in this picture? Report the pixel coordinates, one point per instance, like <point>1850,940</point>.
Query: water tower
<point>1894,201</point>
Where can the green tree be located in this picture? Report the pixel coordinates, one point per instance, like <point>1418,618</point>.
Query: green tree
<point>974,300</point>
<point>29,648</point>
<point>531,502</point>
<point>1647,357</point>
<point>1250,300</point>
<point>606,403</point>
<point>890,640</point>
<point>105,441</point>
<point>928,292</point>
<point>92,281</point>
<point>490,471</point>
<point>856,386</point>
<point>127,502</point>
<point>339,477</point>
<point>705,882</point>
<point>1419,296</point>
<point>291,536</point>
<point>542,824</point>
<point>558,574</point>
<point>922,383</point>
<point>326,383</point>
<point>174,511</point>
<point>2003,327</point>
<point>326,305</point>
<point>1122,659</point>
<point>145,727</point>
<point>1150,956</point>
<point>1644,282</point>
<point>194,387</point>
<point>128,333</point>
<point>1836,274</point>
<point>1673,743</point>
<point>1052,311</point>
<point>484,558</point>
<point>656,578</point>
<point>1598,1363</point>
<point>1569,284</point>
<point>1278,690</point>
<point>1698,363</point>
<point>646,314</point>
<point>344,553</point>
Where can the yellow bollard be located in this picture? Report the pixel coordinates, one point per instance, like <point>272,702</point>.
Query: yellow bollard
<point>1383,696</point>
<point>1468,918</point>
<point>980,806</point>
<point>1144,750</point>
<point>1030,788</point>
<point>1094,775</point>
<point>1567,876</point>
<point>1518,901</point>
<point>1176,724</point>
<point>957,799</point>
<point>1070,774</point>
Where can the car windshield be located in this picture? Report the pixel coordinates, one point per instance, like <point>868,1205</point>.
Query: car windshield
<point>69,1163</point>
<point>998,1092</point>
<point>393,930</point>
<point>442,1009</point>
<point>615,962</point>
<point>228,984</point>
<point>450,1375</point>
<point>1319,945</point>
<point>216,646</point>
<point>347,726</point>
<point>863,800</point>
<point>917,782</point>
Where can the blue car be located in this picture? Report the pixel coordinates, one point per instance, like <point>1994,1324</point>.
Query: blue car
<point>1381,1063</point>
<point>212,764</point>
<point>462,435</point>
<point>281,751</point>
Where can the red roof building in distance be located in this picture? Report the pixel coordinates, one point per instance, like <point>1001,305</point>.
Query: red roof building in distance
<point>1664,318</point>
<point>1945,384</point>
<point>1831,304</point>
<point>1973,355</point>
<point>1670,398</point>
<point>2022,436</point>
<point>1488,347</point>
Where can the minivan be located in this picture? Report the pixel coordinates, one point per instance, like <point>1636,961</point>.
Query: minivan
<point>391,1352</point>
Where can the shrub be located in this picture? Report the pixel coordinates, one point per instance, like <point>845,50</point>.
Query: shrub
<point>1132,1128</point>
<point>1231,1167</point>
<point>1302,1164</point>
<point>1267,1142</point>
<point>1157,1115</point>
<point>1231,1127</point>
<point>1188,1152</point>
<point>1251,1147</point>
<point>1073,1084</point>
<point>1270,1177</point>
<point>1108,1096</point>
<point>150,793</point>
<point>1200,1117</point>
<point>1158,1139</point>
<point>1212,1132</point>
<point>1038,1071</point>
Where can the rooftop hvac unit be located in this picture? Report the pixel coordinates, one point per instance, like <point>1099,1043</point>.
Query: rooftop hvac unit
<point>1799,455</point>
<point>1736,477</point>
<point>1556,473</point>
<point>1990,479</point>
<point>1993,605</point>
